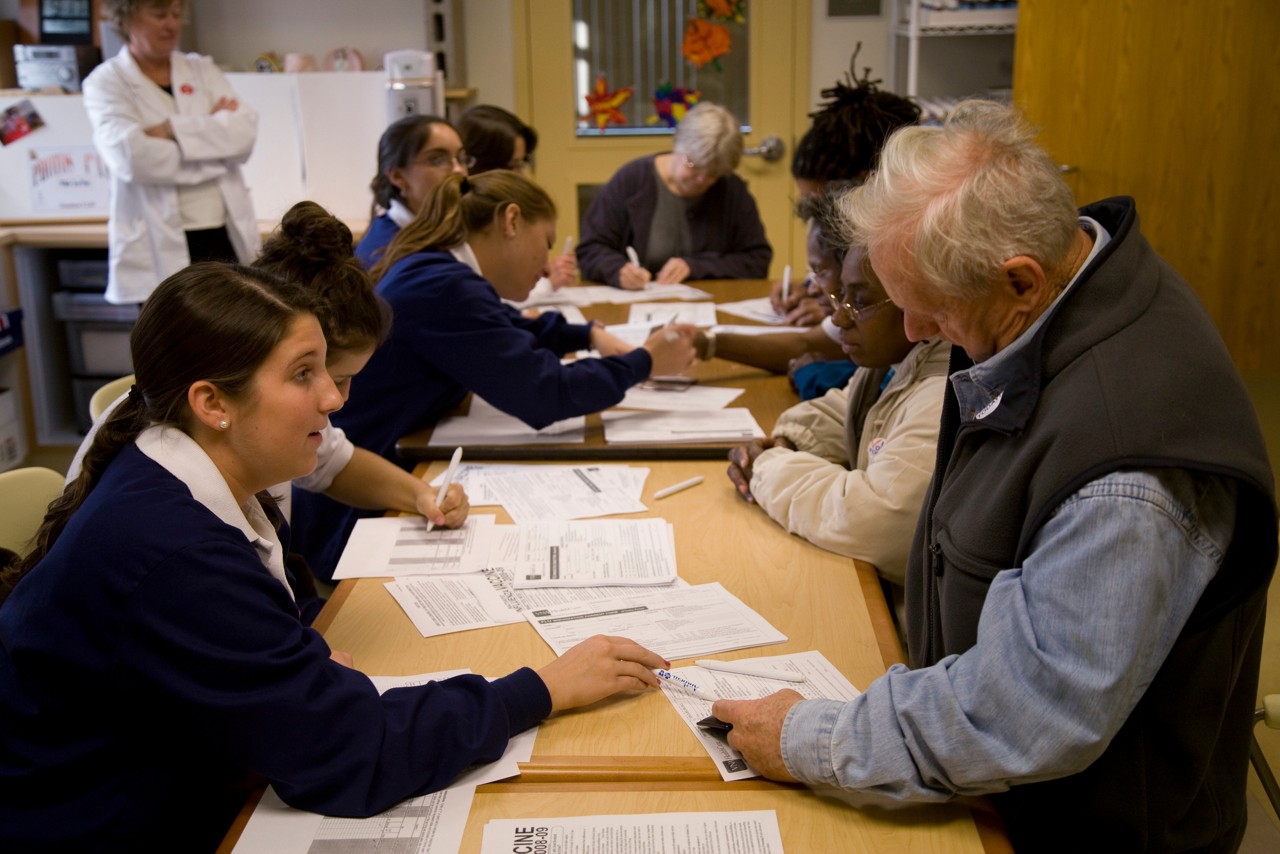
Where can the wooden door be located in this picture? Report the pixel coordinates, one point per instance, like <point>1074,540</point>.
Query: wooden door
<point>1173,103</point>
<point>779,85</point>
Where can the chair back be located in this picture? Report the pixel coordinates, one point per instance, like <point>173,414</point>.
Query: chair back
<point>103,397</point>
<point>25,495</point>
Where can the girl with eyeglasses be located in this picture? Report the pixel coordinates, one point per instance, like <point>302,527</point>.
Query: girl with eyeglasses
<point>415,154</point>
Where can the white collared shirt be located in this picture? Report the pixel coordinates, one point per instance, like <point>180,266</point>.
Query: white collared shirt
<point>180,455</point>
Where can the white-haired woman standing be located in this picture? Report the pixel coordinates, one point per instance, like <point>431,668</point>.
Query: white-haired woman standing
<point>174,135</point>
<point>685,213</point>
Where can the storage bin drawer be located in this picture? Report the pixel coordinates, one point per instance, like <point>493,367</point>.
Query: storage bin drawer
<point>99,349</point>
<point>77,305</point>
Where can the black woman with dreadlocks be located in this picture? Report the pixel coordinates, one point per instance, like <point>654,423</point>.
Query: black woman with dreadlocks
<point>841,146</point>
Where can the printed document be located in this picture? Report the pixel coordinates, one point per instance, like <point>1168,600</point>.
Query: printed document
<point>760,310</point>
<point>484,424</point>
<point>402,545</point>
<point>737,832</point>
<point>674,622</point>
<point>595,552</point>
<point>735,424</point>
<point>662,313</point>
<point>459,603</point>
<point>530,492</point>
<point>679,399</point>
<point>821,680</point>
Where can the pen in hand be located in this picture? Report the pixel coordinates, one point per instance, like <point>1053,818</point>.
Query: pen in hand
<point>447,481</point>
<point>786,283</point>
<point>632,256</point>
<point>685,685</point>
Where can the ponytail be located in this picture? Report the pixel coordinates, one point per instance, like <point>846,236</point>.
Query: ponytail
<point>126,421</point>
<point>209,321</point>
<point>459,207</point>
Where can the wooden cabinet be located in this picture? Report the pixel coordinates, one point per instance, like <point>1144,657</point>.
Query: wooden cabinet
<point>1173,104</point>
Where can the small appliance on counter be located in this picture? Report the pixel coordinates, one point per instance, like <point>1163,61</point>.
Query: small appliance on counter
<point>415,84</point>
<point>42,66</point>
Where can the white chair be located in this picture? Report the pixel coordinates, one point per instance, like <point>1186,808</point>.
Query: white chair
<point>106,395</point>
<point>25,495</point>
<point>1270,715</point>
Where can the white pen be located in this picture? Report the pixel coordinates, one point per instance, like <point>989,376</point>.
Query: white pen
<point>674,488</point>
<point>631,253</point>
<point>786,283</point>
<point>747,668</point>
<point>568,244</point>
<point>681,682</point>
<point>447,480</point>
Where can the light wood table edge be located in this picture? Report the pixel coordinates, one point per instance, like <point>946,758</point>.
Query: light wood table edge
<point>890,646</point>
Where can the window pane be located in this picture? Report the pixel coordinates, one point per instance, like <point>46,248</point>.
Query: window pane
<point>668,53</point>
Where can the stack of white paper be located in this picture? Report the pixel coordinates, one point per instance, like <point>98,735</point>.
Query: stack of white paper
<point>594,553</point>
<point>544,493</point>
<point>674,622</point>
<point>402,545</point>
<point>662,313</point>
<point>736,424</point>
<point>486,425</point>
<point>821,679</point>
<point>690,398</point>
<point>739,831</point>
<point>760,310</point>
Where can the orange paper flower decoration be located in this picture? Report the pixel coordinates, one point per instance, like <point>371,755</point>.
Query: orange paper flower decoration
<point>723,10</point>
<point>704,42</point>
<point>603,104</point>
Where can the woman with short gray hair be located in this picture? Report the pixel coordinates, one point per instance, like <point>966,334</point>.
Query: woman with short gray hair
<point>683,214</point>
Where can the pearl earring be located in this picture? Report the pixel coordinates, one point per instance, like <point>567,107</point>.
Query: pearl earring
<point>224,424</point>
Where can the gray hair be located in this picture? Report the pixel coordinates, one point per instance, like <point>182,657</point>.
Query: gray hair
<point>709,136</point>
<point>119,12</point>
<point>957,201</point>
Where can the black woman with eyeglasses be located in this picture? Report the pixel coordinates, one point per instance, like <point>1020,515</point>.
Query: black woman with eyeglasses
<point>848,471</point>
<point>682,215</point>
<point>415,154</point>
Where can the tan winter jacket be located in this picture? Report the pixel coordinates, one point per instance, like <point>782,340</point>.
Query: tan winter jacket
<point>863,505</point>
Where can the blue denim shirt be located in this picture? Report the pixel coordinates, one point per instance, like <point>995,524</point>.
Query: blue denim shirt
<point>1067,643</point>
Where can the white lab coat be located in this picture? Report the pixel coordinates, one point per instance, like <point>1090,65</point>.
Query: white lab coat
<point>145,235</point>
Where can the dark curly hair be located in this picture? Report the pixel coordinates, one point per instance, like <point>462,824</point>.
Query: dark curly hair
<point>849,128</point>
<point>313,248</point>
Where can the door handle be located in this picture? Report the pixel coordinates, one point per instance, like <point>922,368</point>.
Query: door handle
<point>770,148</point>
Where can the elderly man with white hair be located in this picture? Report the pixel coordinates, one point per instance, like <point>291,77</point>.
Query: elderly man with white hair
<point>1086,589</point>
<point>683,214</point>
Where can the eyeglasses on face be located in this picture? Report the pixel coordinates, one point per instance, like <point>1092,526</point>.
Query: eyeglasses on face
<point>438,158</point>
<point>857,313</point>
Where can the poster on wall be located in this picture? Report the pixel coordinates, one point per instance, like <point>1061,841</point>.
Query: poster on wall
<point>70,180</point>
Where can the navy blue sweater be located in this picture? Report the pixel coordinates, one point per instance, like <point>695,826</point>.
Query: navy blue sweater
<point>451,334</point>
<point>151,663</point>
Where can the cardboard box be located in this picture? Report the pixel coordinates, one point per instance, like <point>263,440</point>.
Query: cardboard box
<point>13,444</point>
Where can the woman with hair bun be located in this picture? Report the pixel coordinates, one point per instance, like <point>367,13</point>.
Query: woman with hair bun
<point>153,660</point>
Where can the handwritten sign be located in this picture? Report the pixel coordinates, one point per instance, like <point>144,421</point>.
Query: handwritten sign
<point>68,180</point>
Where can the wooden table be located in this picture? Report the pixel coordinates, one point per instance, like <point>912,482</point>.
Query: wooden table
<point>633,754</point>
<point>767,395</point>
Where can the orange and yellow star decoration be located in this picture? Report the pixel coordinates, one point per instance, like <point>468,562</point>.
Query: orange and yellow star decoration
<point>723,10</point>
<point>603,105</point>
